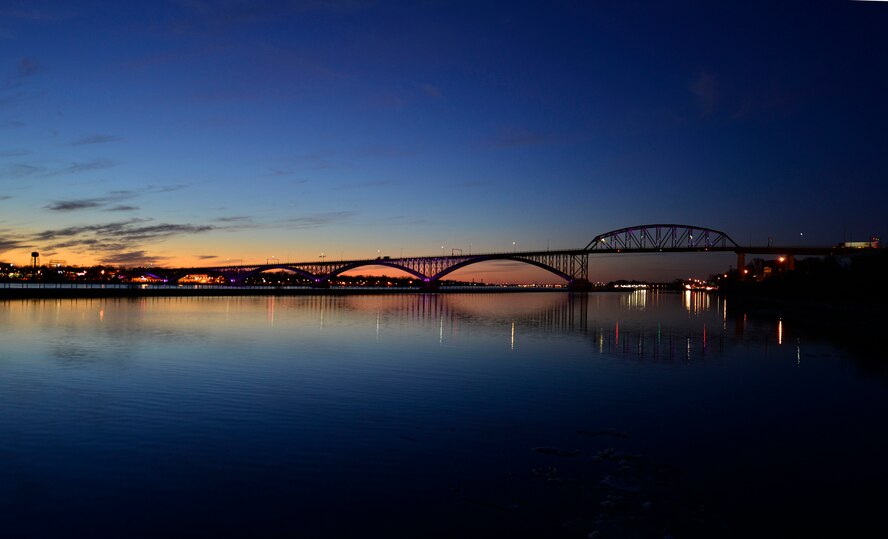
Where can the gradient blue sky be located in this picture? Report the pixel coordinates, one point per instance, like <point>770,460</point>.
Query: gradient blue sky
<point>191,132</point>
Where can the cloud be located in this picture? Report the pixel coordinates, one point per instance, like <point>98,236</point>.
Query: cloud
<point>365,185</point>
<point>316,161</point>
<point>161,231</point>
<point>20,170</point>
<point>12,124</point>
<point>95,202</point>
<point>95,139</point>
<point>206,257</point>
<point>75,168</point>
<point>403,220</point>
<point>233,219</point>
<point>116,241</point>
<point>28,67</point>
<point>23,170</point>
<point>133,258</point>
<point>110,198</point>
<point>74,205</point>
<point>13,153</point>
<point>385,151</point>
<point>5,197</point>
<point>319,219</point>
<point>107,228</point>
<point>10,244</point>
<point>705,90</point>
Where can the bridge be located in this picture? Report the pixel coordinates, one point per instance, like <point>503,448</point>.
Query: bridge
<point>572,265</point>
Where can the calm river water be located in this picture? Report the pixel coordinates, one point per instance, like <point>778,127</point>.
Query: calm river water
<point>467,415</point>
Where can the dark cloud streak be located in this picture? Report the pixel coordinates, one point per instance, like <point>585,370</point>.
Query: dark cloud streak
<point>74,205</point>
<point>95,139</point>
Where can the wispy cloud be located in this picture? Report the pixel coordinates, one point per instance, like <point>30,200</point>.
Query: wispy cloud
<point>312,221</point>
<point>105,202</point>
<point>13,153</point>
<point>206,257</point>
<point>74,205</point>
<point>366,185</point>
<point>24,170</point>
<point>403,220</point>
<point>10,245</point>
<point>95,139</point>
<point>109,240</point>
<point>133,258</point>
<point>385,151</point>
<point>12,124</point>
<point>20,170</point>
<point>90,203</point>
<point>74,168</point>
<point>233,219</point>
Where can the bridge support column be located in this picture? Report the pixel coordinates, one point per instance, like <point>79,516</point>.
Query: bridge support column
<point>431,286</point>
<point>741,265</point>
<point>579,285</point>
<point>790,262</point>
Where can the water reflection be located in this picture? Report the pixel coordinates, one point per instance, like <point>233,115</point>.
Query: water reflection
<point>620,324</point>
<point>280,409</point>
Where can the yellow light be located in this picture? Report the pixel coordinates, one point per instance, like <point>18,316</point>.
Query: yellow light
<point>781,259</point>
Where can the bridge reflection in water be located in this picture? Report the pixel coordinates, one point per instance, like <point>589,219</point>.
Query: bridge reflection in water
<point>638,325</point>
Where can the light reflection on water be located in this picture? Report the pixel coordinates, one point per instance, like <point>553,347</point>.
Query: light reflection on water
<point>118,413</point>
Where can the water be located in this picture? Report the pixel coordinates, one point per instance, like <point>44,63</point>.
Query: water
<point>464,415</point>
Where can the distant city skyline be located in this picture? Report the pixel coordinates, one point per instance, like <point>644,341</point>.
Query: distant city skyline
<point>184,133</point>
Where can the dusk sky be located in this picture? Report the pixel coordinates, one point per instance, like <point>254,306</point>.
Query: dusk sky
<point>193,132</point>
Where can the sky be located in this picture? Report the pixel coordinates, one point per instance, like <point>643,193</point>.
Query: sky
<point>191,132</point>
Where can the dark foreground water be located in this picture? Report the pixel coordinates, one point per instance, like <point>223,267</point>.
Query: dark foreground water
<point>477,415</point>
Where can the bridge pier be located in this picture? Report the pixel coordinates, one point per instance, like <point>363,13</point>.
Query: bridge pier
<point>579,285</point>
<point>741,265</point>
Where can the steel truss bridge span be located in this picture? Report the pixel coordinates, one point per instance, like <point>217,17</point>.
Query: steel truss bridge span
<point>660,238</point>
<point>572,265</point>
